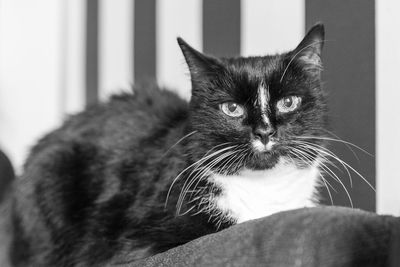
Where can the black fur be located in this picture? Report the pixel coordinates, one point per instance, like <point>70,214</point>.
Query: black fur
<point>95,190</point>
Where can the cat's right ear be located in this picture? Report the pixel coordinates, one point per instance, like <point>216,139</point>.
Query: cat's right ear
<point>308,52</point>
<point>200,65</point>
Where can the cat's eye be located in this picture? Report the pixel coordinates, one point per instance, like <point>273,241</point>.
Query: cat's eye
<point>288,104</point>
<point>232,109</point>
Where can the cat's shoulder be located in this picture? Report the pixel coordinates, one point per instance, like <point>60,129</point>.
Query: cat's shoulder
<point>143,104</point>
<point>148,95</point>
<point>124,117</point>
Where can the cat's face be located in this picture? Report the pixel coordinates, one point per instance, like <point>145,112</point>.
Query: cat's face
<point>253,112</point>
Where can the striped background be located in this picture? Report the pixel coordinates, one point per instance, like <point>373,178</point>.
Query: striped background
<point>57,56</point>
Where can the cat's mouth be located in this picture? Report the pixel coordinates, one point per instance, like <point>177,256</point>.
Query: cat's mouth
<point>260,147</point>
<point>264,160</point>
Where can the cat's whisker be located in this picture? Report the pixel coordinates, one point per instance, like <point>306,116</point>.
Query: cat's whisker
<point>204,158</point>
<point>330,185</point>
<point>295,55</point>
<point>217,146</point>
<point>347,145</point>
<point>240,160</point>
<point>327,170</point>
<point>187,211</point>
<point>333,175</point>
<point>325,181</point>
<point>174,145</point>
<point>321,164</point>
<point>332,155</point>
<point>311,154</point>
<point>211,164</point>
<point>309,147</point>
<point>233,158</point>
<point>189,177</point>
<point>333,140</point>
<point>203,173</point>
<point>203,170</point>
<point>312,146</point>
<point>226,166</point>
<point>309,162</point>
<point>327,187</point>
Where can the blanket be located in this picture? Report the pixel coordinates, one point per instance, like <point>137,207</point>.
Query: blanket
<point>323,236</point>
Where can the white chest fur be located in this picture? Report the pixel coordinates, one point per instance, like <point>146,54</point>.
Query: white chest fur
<point>255,194</point>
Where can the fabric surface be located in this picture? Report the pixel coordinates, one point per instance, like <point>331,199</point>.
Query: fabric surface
<point>324,236</point>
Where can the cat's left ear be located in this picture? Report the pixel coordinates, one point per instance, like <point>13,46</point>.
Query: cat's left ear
<point>202,67</point>
<point>308,52</point>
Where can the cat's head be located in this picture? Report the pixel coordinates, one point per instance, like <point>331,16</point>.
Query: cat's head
<point>250,112</point>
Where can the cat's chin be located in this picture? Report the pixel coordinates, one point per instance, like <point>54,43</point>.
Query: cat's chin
<point>263,161</point>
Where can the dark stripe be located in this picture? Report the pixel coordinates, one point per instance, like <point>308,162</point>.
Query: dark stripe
<point>145,40</point>
<point>92,46</point>
<point>221,27</point>
<point>349,60</point>
<point>6,175</point>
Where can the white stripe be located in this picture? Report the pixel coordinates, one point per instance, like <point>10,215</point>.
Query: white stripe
<point>177,18</point>
<point>388,96</point>
<point>73,56</point>
<point>116,49</point>
<point>30,73</point>
<point>263,99</point>
<point>270,26</point>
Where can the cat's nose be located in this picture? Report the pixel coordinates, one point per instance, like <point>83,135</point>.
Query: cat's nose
<point>264,134</point>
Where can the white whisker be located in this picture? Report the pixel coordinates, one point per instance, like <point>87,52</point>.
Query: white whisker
<point>295,55</point>
<point>174,145</point>
<point>204,158</point>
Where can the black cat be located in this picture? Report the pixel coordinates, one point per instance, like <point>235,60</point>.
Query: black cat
<point>148,171</point>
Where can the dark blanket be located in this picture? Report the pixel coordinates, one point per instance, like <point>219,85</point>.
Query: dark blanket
<point>326,236</point>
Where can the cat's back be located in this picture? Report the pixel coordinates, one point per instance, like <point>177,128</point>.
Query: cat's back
<point>75,170</point>
<point>126,115</point>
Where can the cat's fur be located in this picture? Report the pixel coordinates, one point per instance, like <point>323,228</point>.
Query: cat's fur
<point>114,184</point>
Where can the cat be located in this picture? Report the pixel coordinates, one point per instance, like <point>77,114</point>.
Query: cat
<point>148,171</point>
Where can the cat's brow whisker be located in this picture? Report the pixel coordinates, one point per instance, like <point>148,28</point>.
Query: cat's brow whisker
<point>295,55</point>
